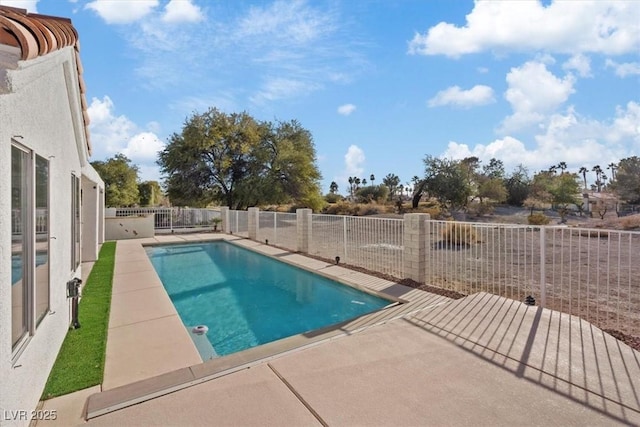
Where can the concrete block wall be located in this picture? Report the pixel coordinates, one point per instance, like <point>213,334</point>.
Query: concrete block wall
<point>415,246</point>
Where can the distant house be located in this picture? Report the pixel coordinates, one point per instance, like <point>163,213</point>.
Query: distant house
<point>51,199</point>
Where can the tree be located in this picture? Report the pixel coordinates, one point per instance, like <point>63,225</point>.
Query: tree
<point>584,171</point>
<point>391,181</point>
<point>120,179</point>
<point>241,162</point>
<point>494,189</point>
<point>518,186</point>
<point>562,166</point>
<point>495,169</point>
<point>150,193</point>
<point>447,181</point>
<point>598,170</point>
<point>565,191</point>
<point>333,187</point>
<point>627,181</point>
<point>372,178</point>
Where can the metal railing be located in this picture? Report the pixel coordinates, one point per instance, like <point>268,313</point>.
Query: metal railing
<point>169,219</point>
<point>278,229</point>
<point>590,273</point>
<point>42,221</point>
<point>375,244</point>
<point>239,223</point>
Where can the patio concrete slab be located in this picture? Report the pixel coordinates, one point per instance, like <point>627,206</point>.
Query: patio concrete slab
<point>145,349</point>
<point>252,397</point>
<point>400,374</point>
<point>568,349</point>
<point>136,280</point>
<point>69,409</point>
<point>139,305</point>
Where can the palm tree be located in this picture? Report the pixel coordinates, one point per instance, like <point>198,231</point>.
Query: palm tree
<point>553,169</point>
<point>372,178</point>
<point>351,186</point>
<point>364,182</point>
<point>562,166</point>
<point>598,170</point>
<point>584,171</point>
<point>333,187</point>
<point>613,168</point>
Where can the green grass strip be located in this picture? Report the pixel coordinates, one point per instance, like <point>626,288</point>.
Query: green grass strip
<point>80,363</point>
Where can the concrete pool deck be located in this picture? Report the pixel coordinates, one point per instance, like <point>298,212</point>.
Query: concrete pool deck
<point>481,360</point>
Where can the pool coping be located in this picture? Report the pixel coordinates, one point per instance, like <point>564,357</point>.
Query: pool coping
<point>184,374</point>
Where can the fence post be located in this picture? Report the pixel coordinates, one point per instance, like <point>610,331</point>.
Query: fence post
<point>171,219</point>
<point>252,223</point>
<point>224,215</point>
<point>415,247</point>
<point>543,268</point>
<point>344,237</point>
<point>275,228</point>
<point>303,229</point>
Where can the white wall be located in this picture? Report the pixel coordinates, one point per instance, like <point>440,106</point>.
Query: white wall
<point>39,109</point>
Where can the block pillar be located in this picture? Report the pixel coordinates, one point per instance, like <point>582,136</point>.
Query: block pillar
<point>415,246</point>
<point>303,229</point>
<point>253,222</point>
<point>224,215</point>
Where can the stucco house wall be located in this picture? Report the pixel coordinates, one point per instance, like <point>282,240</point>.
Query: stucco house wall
<point>41,108</point>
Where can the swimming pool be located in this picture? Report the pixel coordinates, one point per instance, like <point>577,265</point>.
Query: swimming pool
<point>247,299</point>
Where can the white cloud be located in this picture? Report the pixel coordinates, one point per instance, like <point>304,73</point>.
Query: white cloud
<point>30,5</point>
<point>533,93</point>
<point>122,11</point>
<point>624,69</point>
<point>354,161</point>
<point>455,96</point>
<point>519,26</point>
<point>112,134</point>
<point>580,63</point>
<point>143,147</point>
<point>182,11</point>
<point>292,21</point>
<point>282,88</point>
<point>346,109</point>
<point>568,137</point>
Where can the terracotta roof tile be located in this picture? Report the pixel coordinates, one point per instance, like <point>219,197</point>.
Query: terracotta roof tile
<point>37,35</point>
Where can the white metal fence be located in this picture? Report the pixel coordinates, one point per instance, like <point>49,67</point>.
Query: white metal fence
<point>590,273</point>
<point>278,229</point>
<point>169,219</point>
<point>375,244</point>
<point>239,223</point>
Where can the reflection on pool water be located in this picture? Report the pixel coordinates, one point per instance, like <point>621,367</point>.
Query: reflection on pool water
<point>16,265</point>
<point>247,299</point>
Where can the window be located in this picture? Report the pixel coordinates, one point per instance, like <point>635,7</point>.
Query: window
<point>29,243</point>
<point>42,238</point>
<point>75,222</point>
<point>20,244</point>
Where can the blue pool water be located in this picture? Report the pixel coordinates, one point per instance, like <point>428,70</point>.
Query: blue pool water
<point>247,299</point>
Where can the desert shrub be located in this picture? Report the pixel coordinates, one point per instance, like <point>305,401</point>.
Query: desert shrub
<point>460,234</point>
<point>332,198</point>
<point>480,209</point>
<point>630,222</point>
<point>372,193</point>
<point>342,207</point>
<point>369,210</point>
<point>538,219</point>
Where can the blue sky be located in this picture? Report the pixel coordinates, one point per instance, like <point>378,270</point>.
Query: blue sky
<point>380,84</point>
